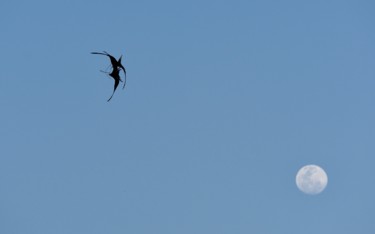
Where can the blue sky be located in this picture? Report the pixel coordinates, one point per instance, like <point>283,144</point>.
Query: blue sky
<point>225,101</point>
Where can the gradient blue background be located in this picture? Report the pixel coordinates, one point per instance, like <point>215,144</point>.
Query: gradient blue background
<point>225,101</point>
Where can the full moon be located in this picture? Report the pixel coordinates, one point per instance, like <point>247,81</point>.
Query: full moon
<point>311,179</point>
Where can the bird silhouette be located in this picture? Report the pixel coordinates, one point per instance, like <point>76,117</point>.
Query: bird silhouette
<point>116,68</point>
<point>115,63</point>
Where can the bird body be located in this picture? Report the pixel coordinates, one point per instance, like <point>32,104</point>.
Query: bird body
<point>115,74</point>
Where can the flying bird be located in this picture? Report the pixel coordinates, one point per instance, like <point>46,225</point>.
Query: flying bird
<point>115,63</point>
<point>116,68</point>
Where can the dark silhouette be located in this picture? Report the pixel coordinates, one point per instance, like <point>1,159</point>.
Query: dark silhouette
<point>115,63</point>
<point>115,74</point>
<point>123,69</point>
<point>116,67</point>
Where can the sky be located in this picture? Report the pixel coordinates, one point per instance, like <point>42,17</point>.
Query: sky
<point>225,101</point>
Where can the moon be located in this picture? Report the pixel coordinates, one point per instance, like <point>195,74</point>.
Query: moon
<point>311,179</point>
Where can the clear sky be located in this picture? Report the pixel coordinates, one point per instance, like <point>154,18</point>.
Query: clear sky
<point>225,101</point>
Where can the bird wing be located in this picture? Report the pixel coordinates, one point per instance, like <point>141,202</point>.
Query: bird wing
<point>117,81</point>
<point>110,97</point>
<point>123,68</point>
<point>98,53</point>
<point>123,87</point>
<point>113,59</point>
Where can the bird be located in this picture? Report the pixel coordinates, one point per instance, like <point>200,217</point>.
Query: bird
<point>115,63</point>
<point>116,68</point>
